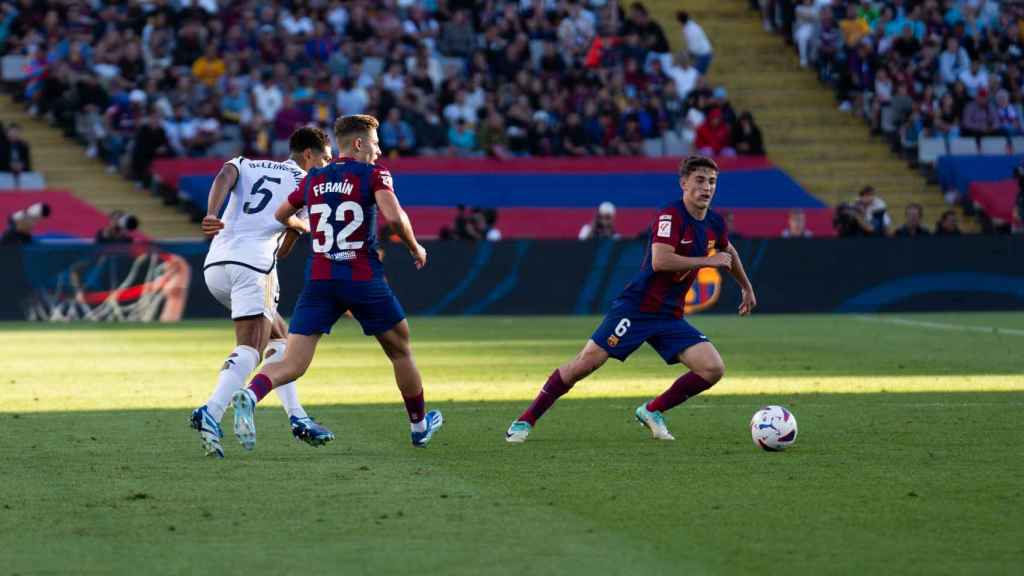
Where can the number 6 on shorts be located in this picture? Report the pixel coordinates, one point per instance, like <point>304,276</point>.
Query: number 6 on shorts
<point>622,327</point>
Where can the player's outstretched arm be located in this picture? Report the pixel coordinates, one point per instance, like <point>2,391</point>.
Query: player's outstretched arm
<point>285,214</point>
<point>219,191</point>
<point>400,224</point>
<point>747,299</point>
<point>665,259</point>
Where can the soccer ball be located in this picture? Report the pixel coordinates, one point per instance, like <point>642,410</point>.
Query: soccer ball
<point>773,428</point>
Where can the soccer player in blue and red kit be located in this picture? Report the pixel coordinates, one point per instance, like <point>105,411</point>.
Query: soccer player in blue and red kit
<point>345,274</point>
<point>685,237</point>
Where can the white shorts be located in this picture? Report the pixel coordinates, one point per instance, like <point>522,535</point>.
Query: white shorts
<point>244,291</point>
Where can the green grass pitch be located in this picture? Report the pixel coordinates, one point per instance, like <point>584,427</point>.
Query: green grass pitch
<point>909,457</point>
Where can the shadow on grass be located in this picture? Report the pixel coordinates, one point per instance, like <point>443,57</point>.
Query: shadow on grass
<point>921,480</point>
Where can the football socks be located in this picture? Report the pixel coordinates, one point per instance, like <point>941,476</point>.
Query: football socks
<point>237,367</point>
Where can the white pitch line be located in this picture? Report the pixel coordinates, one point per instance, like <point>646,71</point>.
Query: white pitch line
<point>944,326</point>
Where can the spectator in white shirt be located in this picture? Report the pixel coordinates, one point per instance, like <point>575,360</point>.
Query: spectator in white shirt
<point>696,42</point>
<point>460,109</point>
<point>1009,115</point>
<point>603,225</point>
<point>974,78</point>
<point>181,131</point>
<point>394,79</point>
<point>297,23</point>
<point>953,61</point>
<point>268,98</point>
<point>576,30</point>
<point>363,78</point>
<point>337,17</point>
<point>351,98</point>
<point>683,75</point>
<point>875,210</point>
<point>805,30</point>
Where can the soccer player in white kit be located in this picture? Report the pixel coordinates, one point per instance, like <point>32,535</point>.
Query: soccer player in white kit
<point>240,272</point>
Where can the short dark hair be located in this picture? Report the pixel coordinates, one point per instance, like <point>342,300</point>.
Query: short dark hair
<point>354,125</point>
<point>867,190</point>
<point>682,16</point>
<point>915,206</point>
<point>692,163</point>
<point>308,138</point>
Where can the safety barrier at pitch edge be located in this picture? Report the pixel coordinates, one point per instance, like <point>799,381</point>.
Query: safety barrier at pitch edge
<point>547,277</point>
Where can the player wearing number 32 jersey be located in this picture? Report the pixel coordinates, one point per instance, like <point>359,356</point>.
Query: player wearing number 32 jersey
<point>685,237</point>
<point>345,274</point>
<point>240,272</point>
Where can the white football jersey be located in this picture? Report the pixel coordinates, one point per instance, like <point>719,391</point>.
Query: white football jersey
<point>250,234</point>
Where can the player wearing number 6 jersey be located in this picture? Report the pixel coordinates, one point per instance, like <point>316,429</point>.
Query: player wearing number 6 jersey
<point>240,272</point>
<point>650,308</point>
<point>345,274</point>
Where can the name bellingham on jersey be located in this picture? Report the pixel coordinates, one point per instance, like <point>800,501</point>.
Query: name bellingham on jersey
<point>665,292</point>
<point>343,219</point>
<point>251,241</point>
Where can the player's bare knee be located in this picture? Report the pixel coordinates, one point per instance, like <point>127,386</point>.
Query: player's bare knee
<point>712,371</point>
<point>398,351</point>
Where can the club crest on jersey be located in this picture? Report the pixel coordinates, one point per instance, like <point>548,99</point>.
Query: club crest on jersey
<point>344,188</point>
<point>613,341</point>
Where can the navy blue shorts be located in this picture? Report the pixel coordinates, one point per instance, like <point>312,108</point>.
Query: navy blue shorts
<point>322,302</point>
<point>624,330</point>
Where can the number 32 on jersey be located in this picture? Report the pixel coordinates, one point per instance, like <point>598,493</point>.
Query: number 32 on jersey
<point>324,237</point>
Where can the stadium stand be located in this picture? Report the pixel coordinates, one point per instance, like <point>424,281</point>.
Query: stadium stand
<point>141,81</point>
<point>505,80</point>
<point>66,168</point>
<point>933,78</point>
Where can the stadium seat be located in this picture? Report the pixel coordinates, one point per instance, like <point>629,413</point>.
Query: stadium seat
<point>1017,143</point>
<point>675,144</point>
<point>23,181</point>
<point>30,181</point>
<point>13,67</point>
<point>654,147</point>
<point>994,146</point>
<point>929,150</point>
<point>963,147</point>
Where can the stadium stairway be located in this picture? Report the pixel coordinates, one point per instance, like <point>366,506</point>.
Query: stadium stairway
<point>65,166</point>
<point>831,153</point>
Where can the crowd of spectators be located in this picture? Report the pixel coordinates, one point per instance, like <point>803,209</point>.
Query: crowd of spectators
<point>868,215</point>
<point>139,80</point>
<point>914,68</point>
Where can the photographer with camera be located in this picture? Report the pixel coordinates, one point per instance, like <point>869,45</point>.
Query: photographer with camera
<point>20,224</point>
<point>117,228</point>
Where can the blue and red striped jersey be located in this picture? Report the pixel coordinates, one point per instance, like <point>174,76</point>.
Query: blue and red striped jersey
<point>343,219</point>
<point>665,292</point>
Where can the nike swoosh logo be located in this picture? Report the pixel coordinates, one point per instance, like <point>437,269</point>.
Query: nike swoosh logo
<point>686,241</point>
